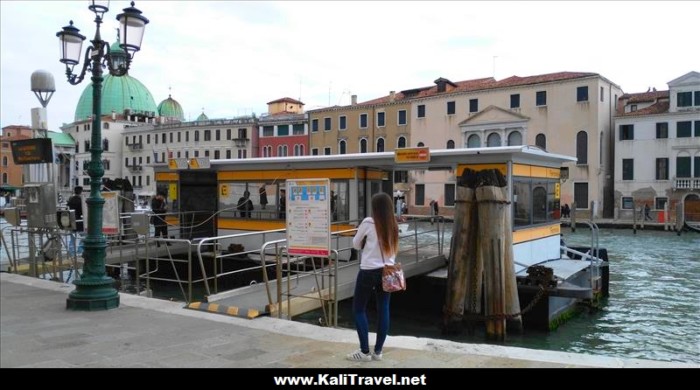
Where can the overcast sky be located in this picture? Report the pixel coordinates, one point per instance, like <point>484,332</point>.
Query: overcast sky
<point>232,57</point>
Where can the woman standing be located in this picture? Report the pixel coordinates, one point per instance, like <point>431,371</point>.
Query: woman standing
<point>378,237</point>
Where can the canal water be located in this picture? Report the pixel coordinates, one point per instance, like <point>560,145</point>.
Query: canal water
<point>653,311</point>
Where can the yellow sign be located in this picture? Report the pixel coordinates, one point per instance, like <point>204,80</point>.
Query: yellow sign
<point>557,190</point>
<point>177,163</point>
<point>199,162</point>
<point>224,190</point>
<point>411,155</point>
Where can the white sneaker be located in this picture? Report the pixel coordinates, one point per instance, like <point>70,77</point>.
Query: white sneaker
<point>377,356</point>
<point>359,356</point>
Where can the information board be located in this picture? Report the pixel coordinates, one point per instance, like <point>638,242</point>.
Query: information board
<point>308,217</point>
<point>32,151</point>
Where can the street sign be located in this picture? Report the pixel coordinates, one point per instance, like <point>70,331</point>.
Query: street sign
<point>411,155</point>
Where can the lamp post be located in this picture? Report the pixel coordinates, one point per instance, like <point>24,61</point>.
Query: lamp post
<point>94,290</point>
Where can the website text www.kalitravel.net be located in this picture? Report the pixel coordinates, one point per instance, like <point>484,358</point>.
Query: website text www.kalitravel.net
<point>351,380</point>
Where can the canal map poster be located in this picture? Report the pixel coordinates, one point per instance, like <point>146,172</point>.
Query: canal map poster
<point>308,217</point>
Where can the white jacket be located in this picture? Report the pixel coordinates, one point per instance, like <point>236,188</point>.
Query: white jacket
<point>371,255</point>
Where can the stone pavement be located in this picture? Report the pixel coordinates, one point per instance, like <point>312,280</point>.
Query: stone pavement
<point>36,330</point>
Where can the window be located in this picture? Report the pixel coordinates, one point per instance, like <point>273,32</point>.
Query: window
<point>421,111</point>
<point>697,127</point>
<point>171,137</point>
<point>420,194</point>
<point>282,130</point>
<point>683,129</point>
<point>242,153</point>
<point>697,166</point>
<point>282,150</point>
<point>268,131</point>
<point>218,135</point>
<point>473,105</point>
<point>380,145</point>
<point>187,154</point>
<point>342,122</point>
<point>179,136</point>
<point>683,166</point>
<point>627,203</point>
<point>228,134</point>
<point>298,129</point>
<point>196,136</point>
<point>660,203</point>
<point>541,141</point>
<point>581,195</point>
<point>342,147</point>
<point>602,94</point>
<point>450,144</point>
<point>217,155</point>
<point>363,121</point>
<point>363,145</point>
<point>521,203</point>
<point>685,99</point>
<point>697,98</point>
<point>662,169</point>
<point>541,98</point>
<point>105,126</point>
<point>228,153</point>
<point>627,169</point>
<point>626,132</point>
<point>402,118</point>
<point>165,140</point>
<point>401,143</point>
<point>87,146</point>
<point>450,194</point>
<point>450,108</point>
<point>473,141</point>
<point>582,148</point>
<point>515,138</point>
<point>582,94</point>
<point>420,144</point>
<point>314,125</point>
<point>326,124</point>
<point>633,107</point>
<point>515,100</point>
<point>327,151</point>
<point>539,202</point>
<point>243,134</point>
<point>148,139</point>
<point>4,161</point>
<point>187,137</point>
<point>662,130</point>
<point>494,139</point>
<point>105,145</point>
<point>381,119</point>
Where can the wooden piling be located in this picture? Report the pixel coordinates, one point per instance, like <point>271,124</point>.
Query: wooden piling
<point>573,217</point>
<point>462,274</point>
<point>492,209</point>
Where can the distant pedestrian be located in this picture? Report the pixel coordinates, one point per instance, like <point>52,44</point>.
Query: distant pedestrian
<point>283,204</point>
<point>647,210</point>
<point>263,196</point>
<point>245,205</point>
<point>75,203</point>
<point>565,211</point>
<point>434,211</point>
<point>159,208</point>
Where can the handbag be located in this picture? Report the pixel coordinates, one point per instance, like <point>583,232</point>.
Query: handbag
<point>392,277</point>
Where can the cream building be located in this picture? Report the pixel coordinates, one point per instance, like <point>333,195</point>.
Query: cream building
<point>657,149</point>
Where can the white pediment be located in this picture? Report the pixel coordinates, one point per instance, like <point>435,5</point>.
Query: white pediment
<point>688,79</point>
<point>494,115</point>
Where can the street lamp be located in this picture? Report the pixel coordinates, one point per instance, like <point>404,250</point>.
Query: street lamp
<point>95,291</point>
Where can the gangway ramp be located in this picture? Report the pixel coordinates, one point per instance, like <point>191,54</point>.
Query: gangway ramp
<point>306,293</point>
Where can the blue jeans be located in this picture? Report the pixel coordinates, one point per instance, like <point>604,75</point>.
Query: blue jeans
<point>368,282</point>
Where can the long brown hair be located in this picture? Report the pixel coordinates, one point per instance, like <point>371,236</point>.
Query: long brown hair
<point>385,223</point>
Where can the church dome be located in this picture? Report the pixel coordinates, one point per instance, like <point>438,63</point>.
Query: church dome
<point>202,117</point>
<point>170,108</point>
<point>118,94</point>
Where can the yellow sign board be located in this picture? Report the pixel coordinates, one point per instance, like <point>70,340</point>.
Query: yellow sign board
<point>177,163</point>
<point>411,155</point>
<point>200,163</point>
<point>557,190</point>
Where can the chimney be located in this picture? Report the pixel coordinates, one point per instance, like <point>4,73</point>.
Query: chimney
<point>114,115</point>
<point>353,100</point>
<point>392,96</point>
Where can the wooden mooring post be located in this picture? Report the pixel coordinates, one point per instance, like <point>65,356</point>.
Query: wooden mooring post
<point>463,292</point>
<point>498,275</point>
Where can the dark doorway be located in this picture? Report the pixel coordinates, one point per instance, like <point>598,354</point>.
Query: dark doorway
<point>198,204</point>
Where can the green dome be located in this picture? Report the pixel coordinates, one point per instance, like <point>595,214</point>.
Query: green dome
<point>202,117</point>
<point>118,94</point>
<point>170,108</point>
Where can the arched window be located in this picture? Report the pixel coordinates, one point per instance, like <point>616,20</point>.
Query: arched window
<point>363,145</point>
<point>105,145</point>
<point>341,147</point>
<point>105,125</point>
<point>301,150</point>
<point>4,178</point>
<point>420,144</point>
<point>450,144</point>
<point>474,141</point>
<point>402,142</point>
<point>380,145</point>
<point>515,138</point>
<point>582,147</point>
<point>4,161</point>
<point>541,141</point>
<point>493,140</point>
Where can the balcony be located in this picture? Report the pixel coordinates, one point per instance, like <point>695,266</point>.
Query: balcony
<point>686,183</point>
<point>240,142</point>
<point>135,147</point>
<point>135,168</point>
